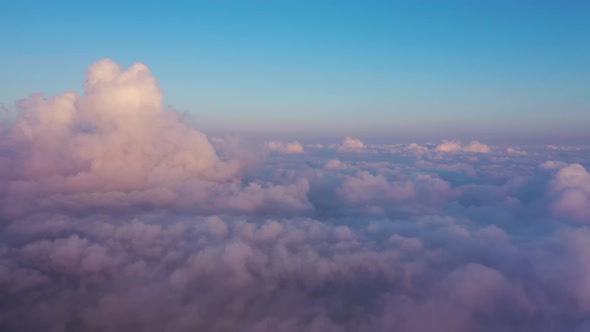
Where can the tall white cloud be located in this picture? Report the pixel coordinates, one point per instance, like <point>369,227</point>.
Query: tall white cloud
<point>116,130</point>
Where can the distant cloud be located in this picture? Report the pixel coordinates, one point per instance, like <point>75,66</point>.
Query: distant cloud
<point>515,151</point>
<point>456,146</point>
<point>567,147</point>
<point>288,148</point>
<point>449,146</point>
<point>334,164</point>
<point>316,146</point>
<point>476,147</point>
<point>417,148</point>
<point>350,144</point>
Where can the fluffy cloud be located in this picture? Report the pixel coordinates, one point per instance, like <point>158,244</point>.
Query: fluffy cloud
<point>515,151</point>
<point>117,130</point>
<point>115,215</point>
<point>334,164</point>
<point>115,146</point>
<point>417,148</point>
<point>571,189</point>
<point>456,146</point>
<point>351,144</point>
<point>449,146</point>
<point>476,147</point>
<point>156,272</point>
<point>280,147</point>
<point>365,188</point>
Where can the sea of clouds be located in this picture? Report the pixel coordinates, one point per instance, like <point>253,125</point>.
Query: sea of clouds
<point>116,215</point>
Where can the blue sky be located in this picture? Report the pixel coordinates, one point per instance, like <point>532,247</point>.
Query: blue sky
<point>419,69</point>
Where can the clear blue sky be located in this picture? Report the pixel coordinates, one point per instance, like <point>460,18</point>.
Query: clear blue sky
<point>369,68</point>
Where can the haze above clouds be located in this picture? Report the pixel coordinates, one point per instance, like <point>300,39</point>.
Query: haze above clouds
<point>308,71</point>
<point>117,215</point>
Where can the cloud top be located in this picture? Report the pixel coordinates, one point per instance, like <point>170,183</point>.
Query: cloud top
<point>116,130</point>
<point>115,215</point>
<point>286,148</point>
<point>350,144</point>
<point>456,146</point>
<point>571,189</point>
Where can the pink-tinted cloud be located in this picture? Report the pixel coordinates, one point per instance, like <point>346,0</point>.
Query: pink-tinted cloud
<point>456,146</point>
<point>334,164</point>
<point>571,188</point>
<point>350,144</point>
<point>116,146</point>
<point>449,146</point>
<point>365,188</point>
<point>417,148</point>
<point>515,151</point>
<point>116,215</point>
<point>476,147</point>
<point>288,148</point>
<point>116,129</point>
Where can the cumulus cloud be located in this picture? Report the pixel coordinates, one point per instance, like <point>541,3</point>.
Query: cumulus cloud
<point>571,189</point>
<point>456,146</point>
<point>417,148</point>
<point>449,146</point>
<point>116,215</point>
<point>512,150</point>
<point>151,274</point>
<point>117,130</point>
<point>116,146</point>
<point>476,147</point>
<point>566,147</point>
<point>334,164</point>
<point>350,144</point>
<point>280,147</point>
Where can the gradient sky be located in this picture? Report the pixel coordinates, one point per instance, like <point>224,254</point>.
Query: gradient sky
<point>466,69</point>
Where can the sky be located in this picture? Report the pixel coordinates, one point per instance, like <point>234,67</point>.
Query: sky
<point>376,69</point>
<point>294,166</point>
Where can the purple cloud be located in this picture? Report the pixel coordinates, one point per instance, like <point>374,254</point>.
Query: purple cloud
<point>116,215</point>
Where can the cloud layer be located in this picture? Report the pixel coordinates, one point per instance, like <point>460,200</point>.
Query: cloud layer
<point>115,215</point>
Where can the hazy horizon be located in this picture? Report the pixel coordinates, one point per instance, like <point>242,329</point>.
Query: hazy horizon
<point>434,68</point>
